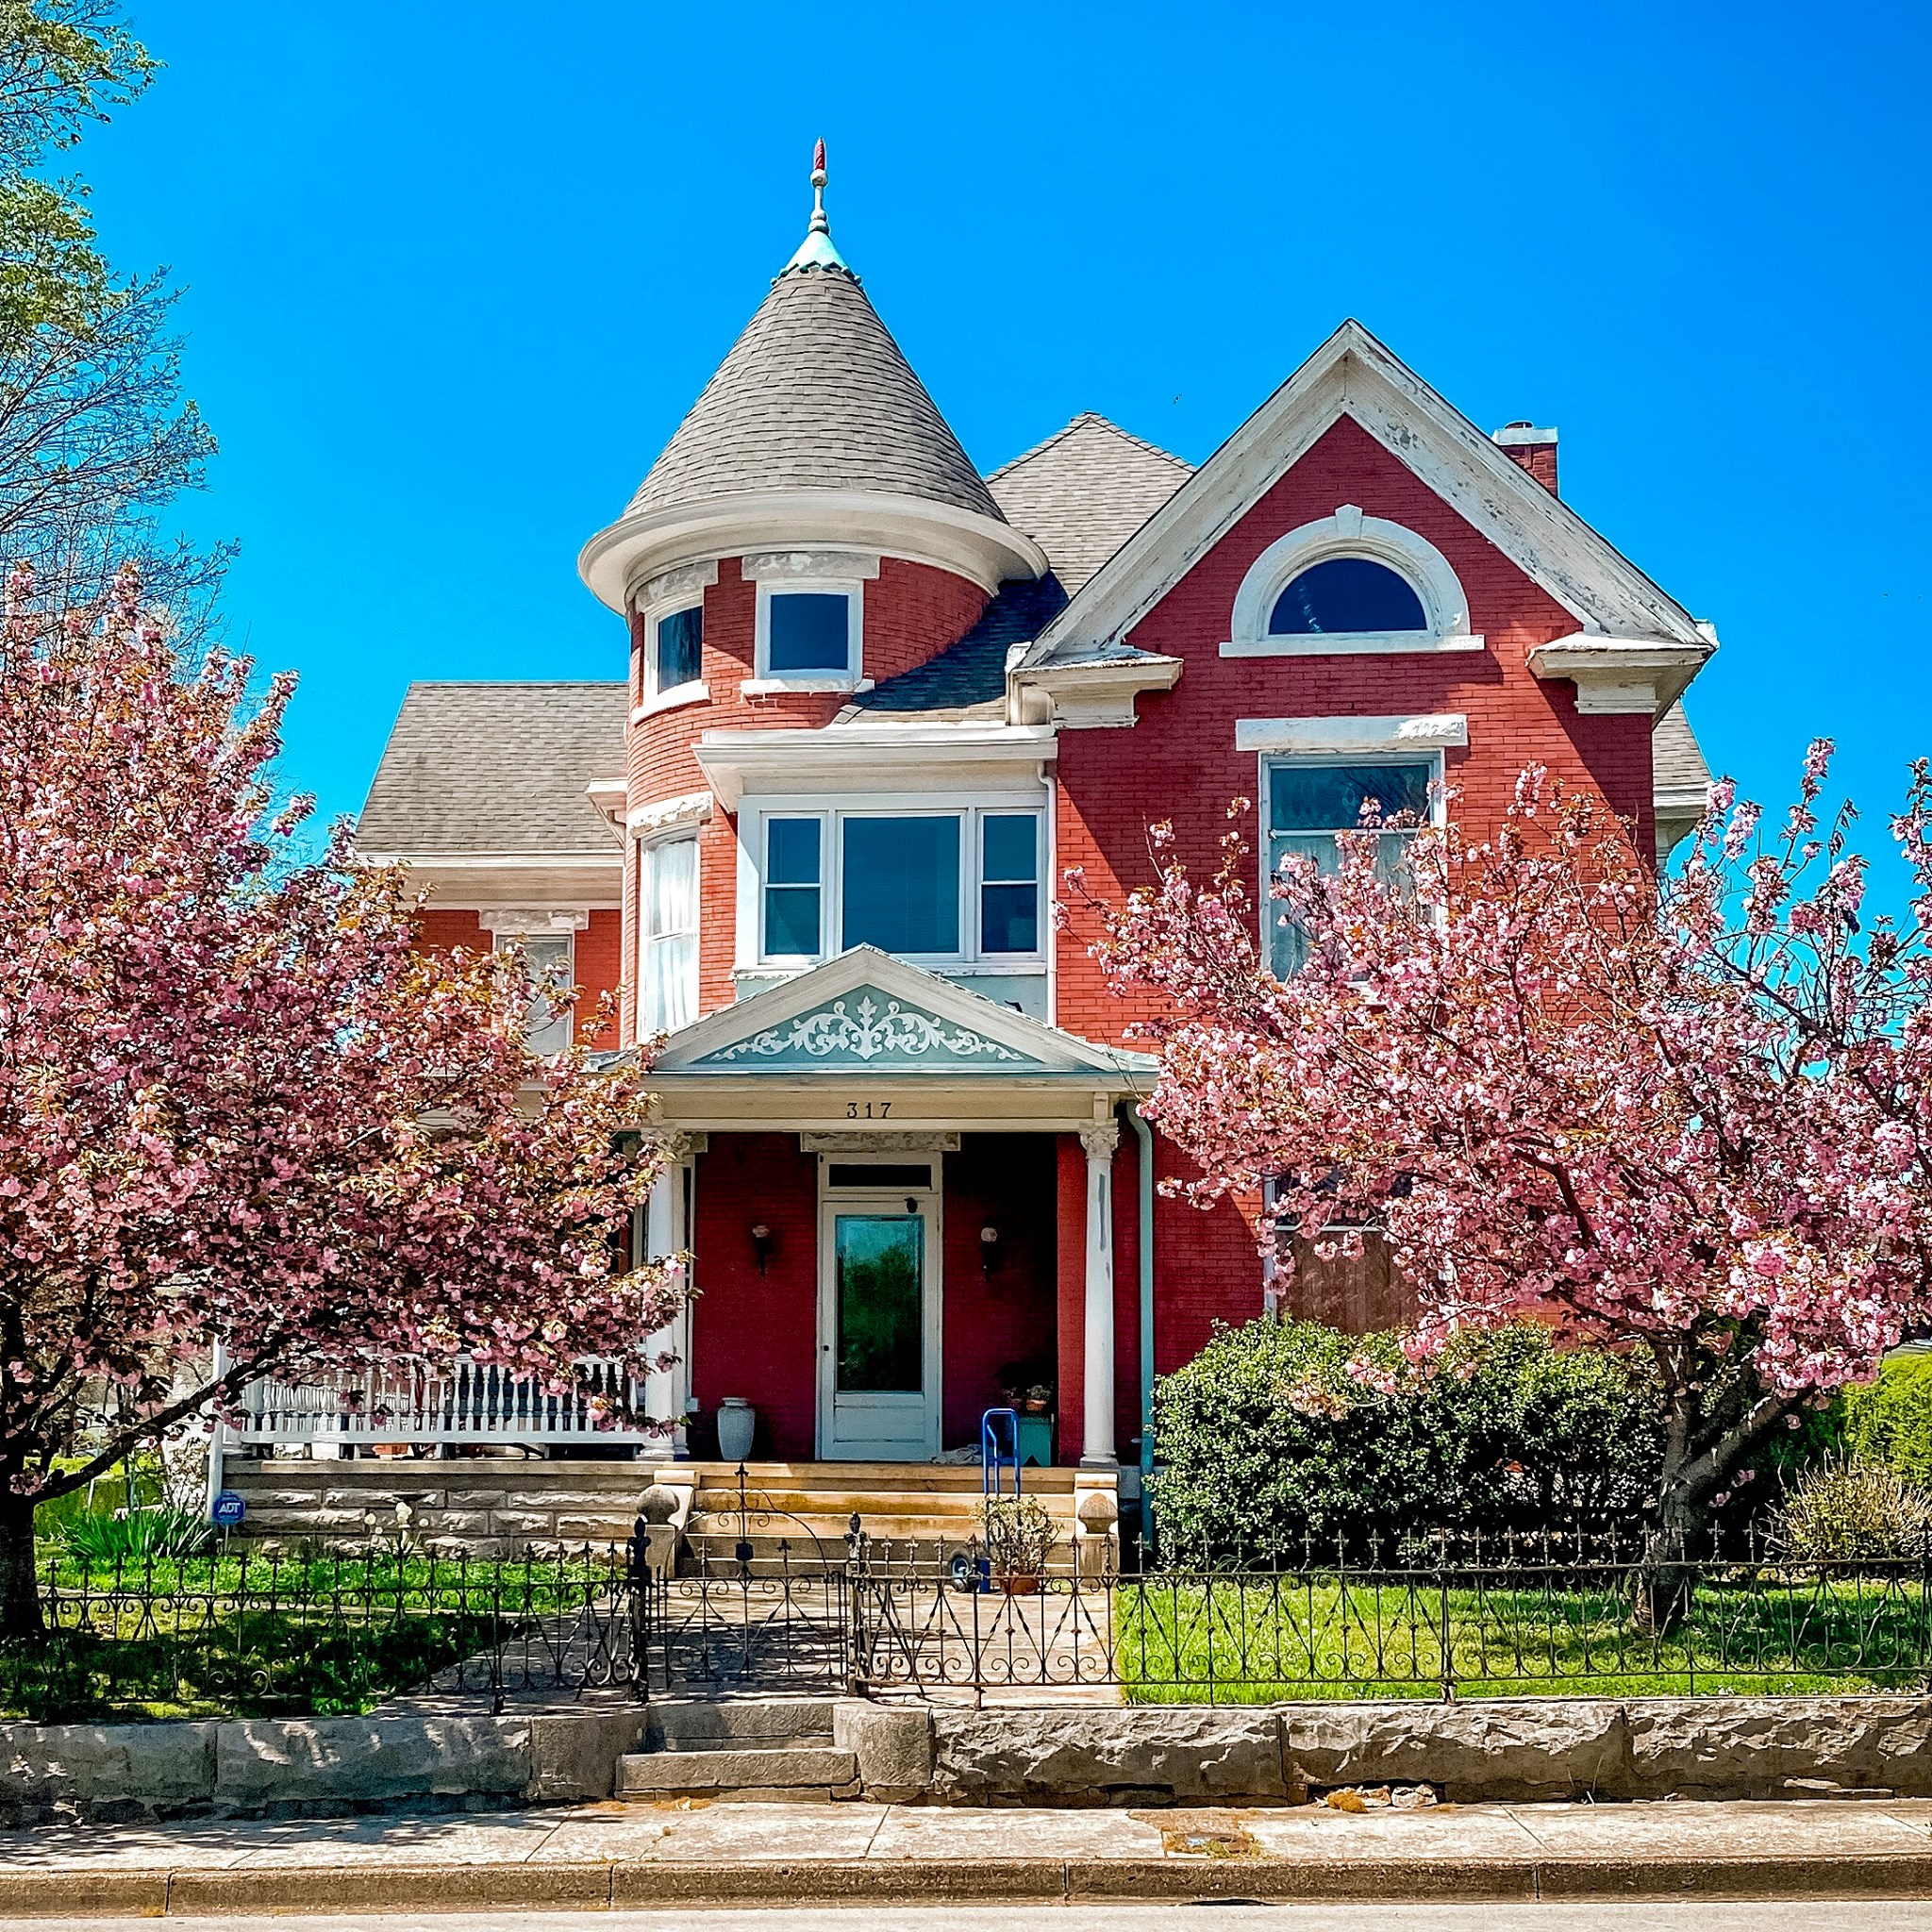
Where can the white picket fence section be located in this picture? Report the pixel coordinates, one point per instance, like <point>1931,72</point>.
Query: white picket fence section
<point>459,1401</point>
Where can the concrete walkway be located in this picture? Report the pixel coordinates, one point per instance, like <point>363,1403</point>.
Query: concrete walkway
<point>689,1850</point>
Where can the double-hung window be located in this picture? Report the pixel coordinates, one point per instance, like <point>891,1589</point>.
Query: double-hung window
<point>929,885</point>
<point>1009,882</point>
<point>1311,801</point>
<point>668,935</point>
<point>794,888</point>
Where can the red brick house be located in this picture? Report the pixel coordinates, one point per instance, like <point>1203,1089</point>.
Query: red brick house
<point>878,703</point>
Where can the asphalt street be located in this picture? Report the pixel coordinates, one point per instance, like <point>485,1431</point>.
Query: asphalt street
<point>1808,1915</point>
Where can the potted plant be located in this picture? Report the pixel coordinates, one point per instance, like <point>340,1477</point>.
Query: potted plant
<point>1019,1536</point>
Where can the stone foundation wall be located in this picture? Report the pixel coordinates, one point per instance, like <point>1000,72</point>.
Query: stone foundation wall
<point>492,1504</point>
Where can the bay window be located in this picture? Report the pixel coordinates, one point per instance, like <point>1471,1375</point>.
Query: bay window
<point>960,884</point>
<point>668,935</point>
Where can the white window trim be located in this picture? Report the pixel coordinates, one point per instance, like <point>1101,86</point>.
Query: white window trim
<point>1381,751</point>
<point>1350,533</point>
<point>695,692</point>
<point>1347,737</point>
<point>664,595</point>
<point>969,809</point>
<point>852,678</point>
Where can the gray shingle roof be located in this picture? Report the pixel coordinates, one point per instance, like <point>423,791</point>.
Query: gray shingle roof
<point>1084,492</point>
<point>1675,759</point>
<point>815,394</point>
<point>971,674</point>
<point>496,767</point>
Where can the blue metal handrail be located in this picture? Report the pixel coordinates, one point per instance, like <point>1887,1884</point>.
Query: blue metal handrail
<point>991,1459</point>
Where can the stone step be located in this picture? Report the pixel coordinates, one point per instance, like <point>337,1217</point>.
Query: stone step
<point>678,1773</point>
<point>963,1507</point>
<point>836,1476</point>
<point>791,1722</point>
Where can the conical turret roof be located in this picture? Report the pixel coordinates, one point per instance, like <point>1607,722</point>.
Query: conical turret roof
<point>815,394</point>
<point>814,431</point>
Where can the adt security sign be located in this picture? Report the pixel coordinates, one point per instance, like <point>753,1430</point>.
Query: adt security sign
<point>229,1509</point>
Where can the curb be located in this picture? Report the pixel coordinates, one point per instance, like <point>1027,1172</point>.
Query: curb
<point>380,1887</point>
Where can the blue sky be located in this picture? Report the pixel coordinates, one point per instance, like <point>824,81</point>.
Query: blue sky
<point>454,271</point>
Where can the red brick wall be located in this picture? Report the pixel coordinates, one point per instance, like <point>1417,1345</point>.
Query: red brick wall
<point>599,968</point>
<point>912,612</point>
<point>443,931</point>
<point>1179,761</point>
<point>992,1320</point>
<point>756,1335</point>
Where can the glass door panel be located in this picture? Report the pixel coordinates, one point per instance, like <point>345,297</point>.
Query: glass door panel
<point>881,1302</point>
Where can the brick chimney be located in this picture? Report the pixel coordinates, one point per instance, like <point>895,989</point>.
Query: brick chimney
<point>1534,449</point>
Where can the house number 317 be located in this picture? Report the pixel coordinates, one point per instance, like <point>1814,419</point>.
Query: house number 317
<point>868,1109</point>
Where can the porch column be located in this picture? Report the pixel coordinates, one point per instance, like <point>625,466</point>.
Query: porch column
<point>667,1231</point>
<point>1096,1435</point>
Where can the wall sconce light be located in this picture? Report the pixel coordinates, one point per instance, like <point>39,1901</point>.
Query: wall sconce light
<point>761,1243</point>
<point>989,1247</point>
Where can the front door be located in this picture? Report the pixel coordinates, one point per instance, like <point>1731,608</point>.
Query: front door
<point>879,1325</point>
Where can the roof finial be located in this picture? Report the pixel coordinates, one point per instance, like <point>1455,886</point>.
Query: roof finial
<point>816,250</point>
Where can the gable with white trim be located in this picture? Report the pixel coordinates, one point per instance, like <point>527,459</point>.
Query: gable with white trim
<point>1629,631</point>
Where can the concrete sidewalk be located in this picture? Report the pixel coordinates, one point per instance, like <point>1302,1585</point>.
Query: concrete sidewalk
<point>640,1855</point>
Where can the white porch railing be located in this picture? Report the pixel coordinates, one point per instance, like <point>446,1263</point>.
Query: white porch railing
<point>459,1401</point>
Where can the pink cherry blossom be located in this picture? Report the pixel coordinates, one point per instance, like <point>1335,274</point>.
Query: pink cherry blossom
<point>1688,1120</point>
<point>238,1103</point>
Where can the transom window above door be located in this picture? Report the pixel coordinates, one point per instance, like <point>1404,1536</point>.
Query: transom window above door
<point>948,885</point>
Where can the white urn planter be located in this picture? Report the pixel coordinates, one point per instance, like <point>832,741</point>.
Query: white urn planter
<point>737,1422</point>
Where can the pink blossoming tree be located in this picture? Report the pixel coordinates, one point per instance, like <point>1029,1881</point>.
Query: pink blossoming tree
<point>1690,1122</point>
<point>238,1104</point>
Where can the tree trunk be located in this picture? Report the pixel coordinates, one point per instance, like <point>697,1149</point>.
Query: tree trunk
<point>1666,1573</point>
<point>19,1594</point>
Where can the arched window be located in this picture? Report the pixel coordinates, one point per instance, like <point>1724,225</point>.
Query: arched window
<point>1345,594</point>
<point>1348,583</point>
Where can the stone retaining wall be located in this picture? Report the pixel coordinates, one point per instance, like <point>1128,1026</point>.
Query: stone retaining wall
<point>492,1504</point>
<point>308,1767</point>
<point>1502,1749</point>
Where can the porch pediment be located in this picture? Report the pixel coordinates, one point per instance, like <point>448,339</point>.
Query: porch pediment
<point>867,1012</point>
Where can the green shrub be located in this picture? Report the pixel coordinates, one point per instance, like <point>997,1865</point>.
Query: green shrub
<point>1267,1439</point>
<point>1889,1421</point>
<point>139,1536</point>
<point>1841,1512</point>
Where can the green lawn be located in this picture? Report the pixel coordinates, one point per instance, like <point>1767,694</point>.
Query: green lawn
<point>312,1632</point>
<point>1267,1639</point>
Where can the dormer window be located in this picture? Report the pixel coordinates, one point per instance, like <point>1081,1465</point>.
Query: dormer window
<point>1348,583</point>
<point>1344,595</point>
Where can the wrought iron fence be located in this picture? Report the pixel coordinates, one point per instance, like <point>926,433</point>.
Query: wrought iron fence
<point>766,1604</point>
<point>253,1632</point>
